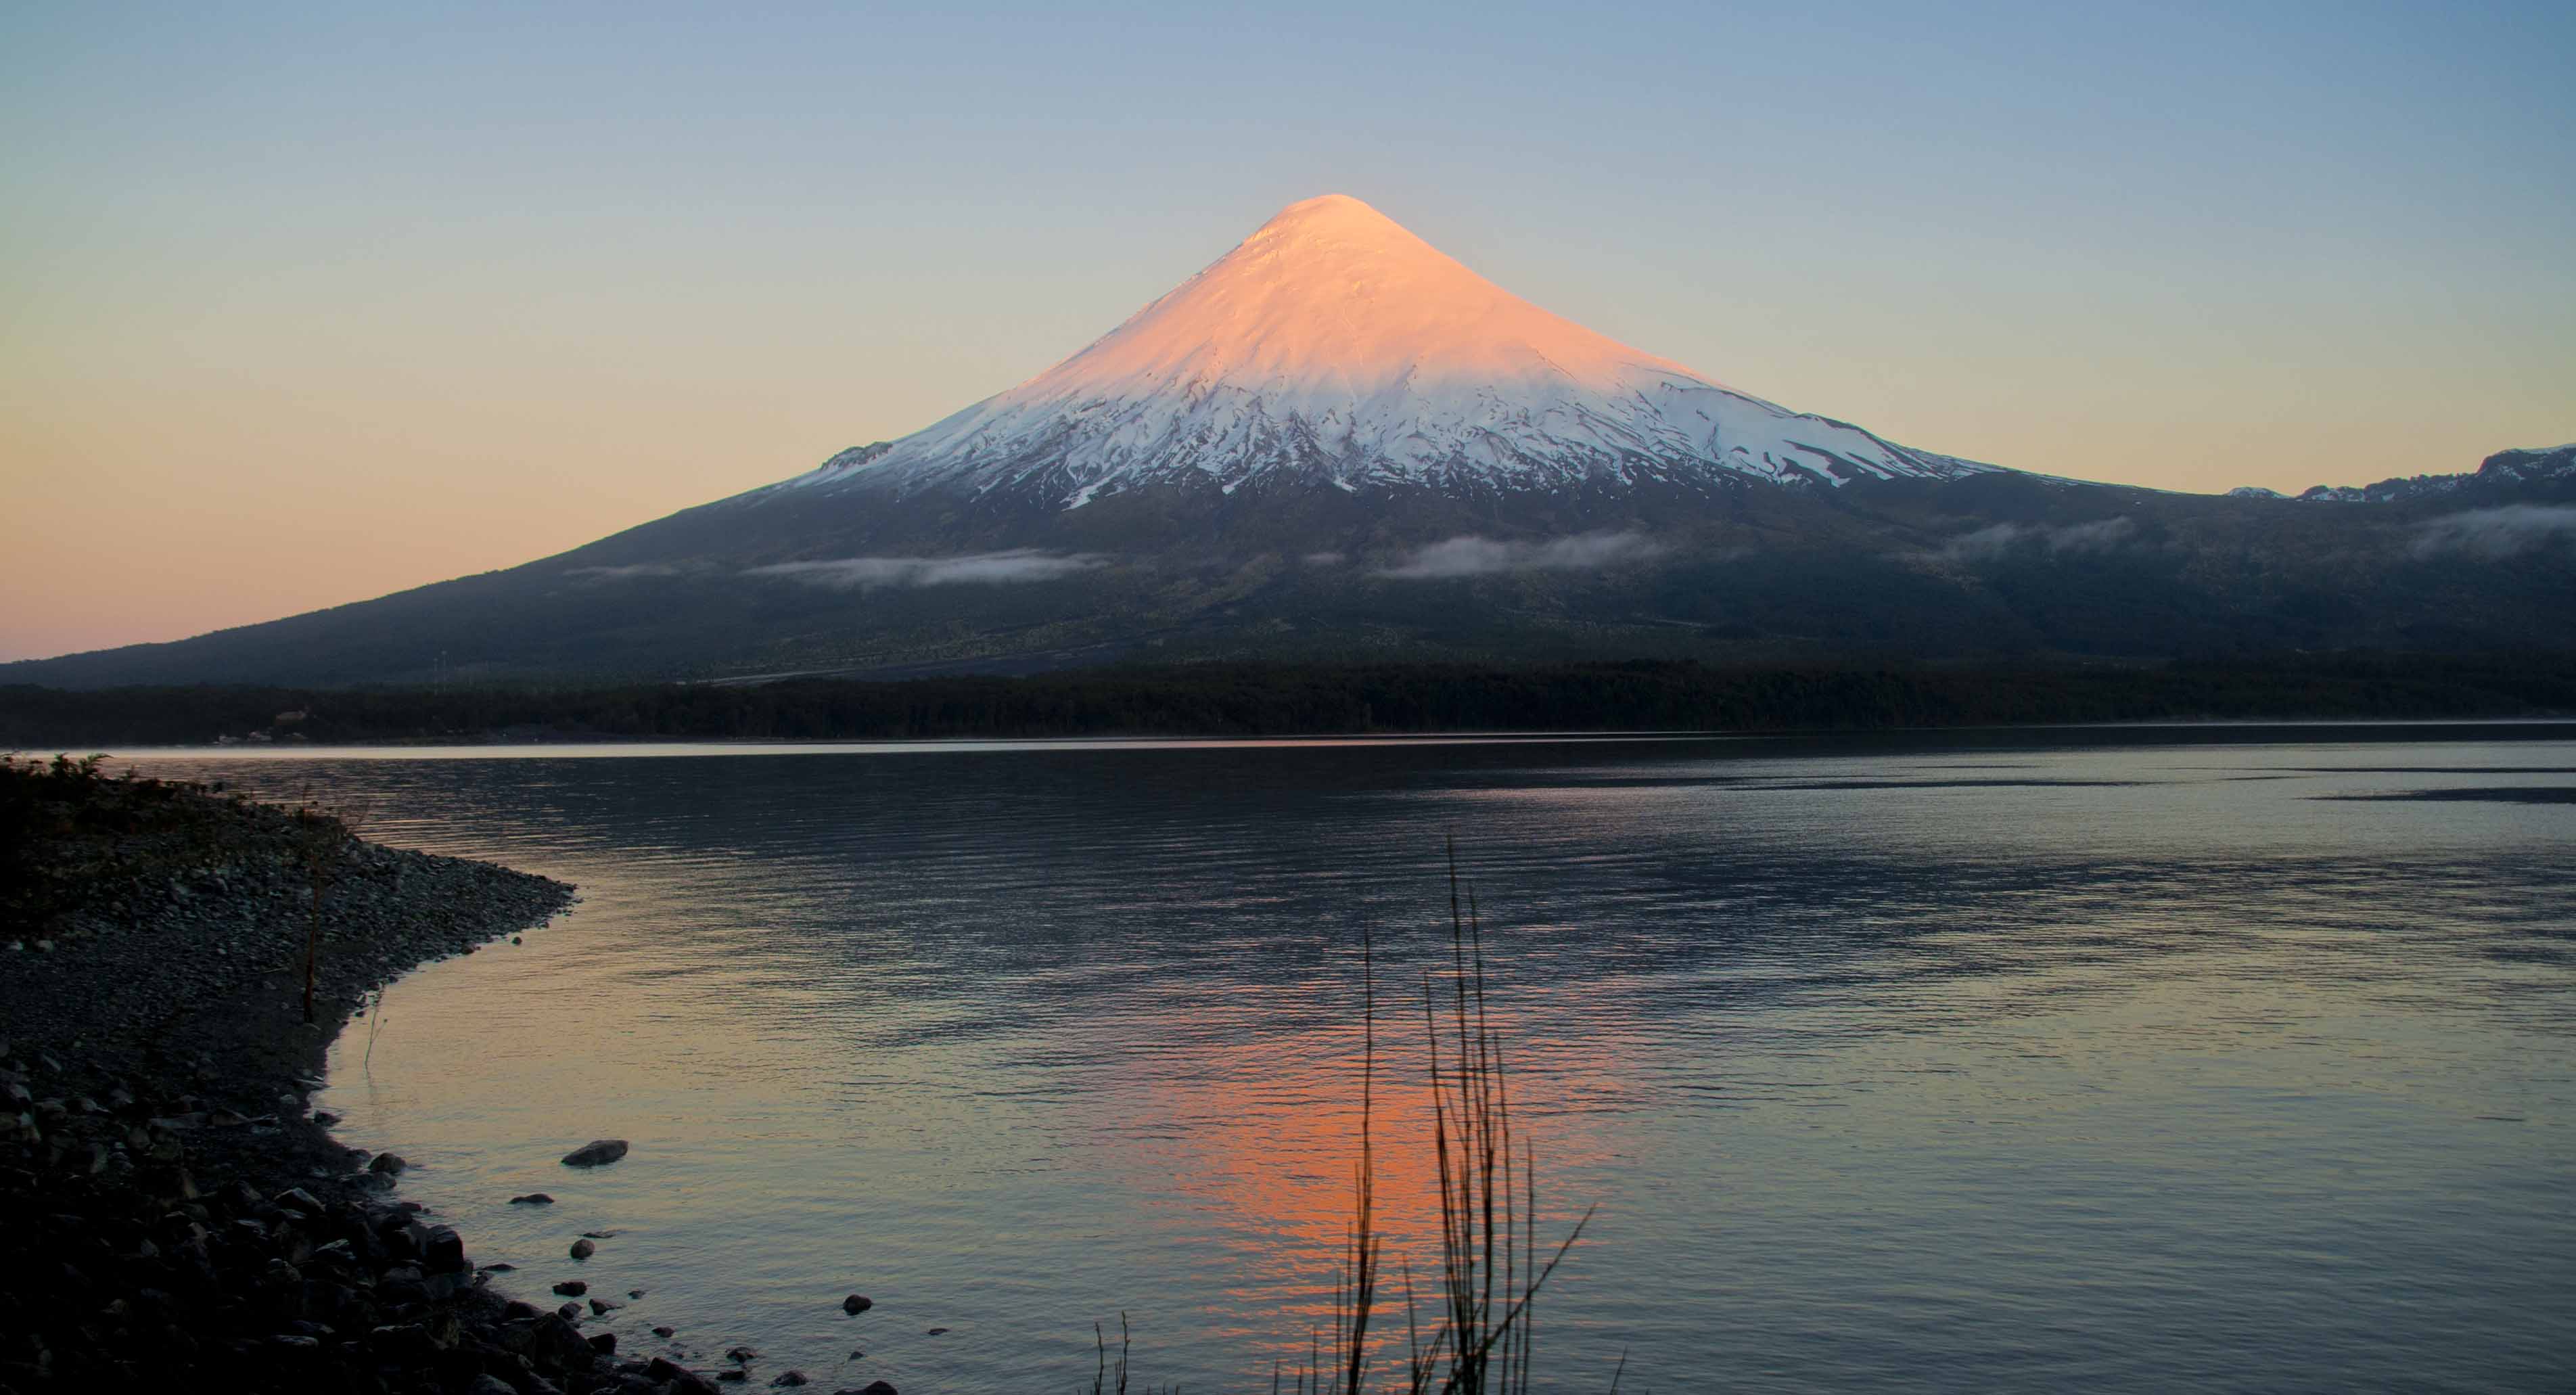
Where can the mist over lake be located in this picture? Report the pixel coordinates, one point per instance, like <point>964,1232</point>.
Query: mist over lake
<point>2226,1059</point>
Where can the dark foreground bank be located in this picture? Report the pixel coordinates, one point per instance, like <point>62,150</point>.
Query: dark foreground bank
<point>1242,700</point>
<point>171,1214</point>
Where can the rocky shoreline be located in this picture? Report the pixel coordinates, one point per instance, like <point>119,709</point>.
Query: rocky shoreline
<point>176,1215</point>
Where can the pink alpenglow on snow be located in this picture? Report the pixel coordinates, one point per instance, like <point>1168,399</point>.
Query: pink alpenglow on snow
<point>1332,303</point>
<point>1333,344</point>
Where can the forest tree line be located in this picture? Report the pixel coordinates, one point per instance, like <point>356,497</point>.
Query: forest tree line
<point>1302,700</point>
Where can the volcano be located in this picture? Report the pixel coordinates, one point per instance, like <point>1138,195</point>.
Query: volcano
<point>1337,443</point>
<point>1334,347</point>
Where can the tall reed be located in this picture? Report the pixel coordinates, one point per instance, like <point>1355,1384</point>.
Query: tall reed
<point>1483,1337</point>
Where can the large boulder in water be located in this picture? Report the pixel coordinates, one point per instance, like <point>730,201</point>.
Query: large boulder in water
<point>596,1153</point>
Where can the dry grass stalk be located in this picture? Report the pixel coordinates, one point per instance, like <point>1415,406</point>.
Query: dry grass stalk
<point>1484,1341</point>
<point>325,837</point>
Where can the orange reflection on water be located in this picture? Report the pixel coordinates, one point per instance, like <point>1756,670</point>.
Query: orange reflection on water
<point>1263,1137</point>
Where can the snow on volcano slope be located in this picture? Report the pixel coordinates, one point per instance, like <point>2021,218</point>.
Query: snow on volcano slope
<point>1334,346</point>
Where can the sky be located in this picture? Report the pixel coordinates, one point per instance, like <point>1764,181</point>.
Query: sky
<point>302,305</point>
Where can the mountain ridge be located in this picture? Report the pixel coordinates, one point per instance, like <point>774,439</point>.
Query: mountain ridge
<point>2546,466</point>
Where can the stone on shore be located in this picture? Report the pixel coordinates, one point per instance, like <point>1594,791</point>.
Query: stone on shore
<point>680,1380</point>
<point>446,1251</point>
<point>532,1199</point>
<point>583,1249</point>
<point>560,1343</point>
<point>856,1304</point>
<point>599,1152</point>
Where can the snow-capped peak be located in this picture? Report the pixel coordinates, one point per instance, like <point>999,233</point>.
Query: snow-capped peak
<point>1332,304</point>
<point>1334,345</point>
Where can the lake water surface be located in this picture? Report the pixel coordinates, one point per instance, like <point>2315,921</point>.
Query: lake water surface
<point>2113,1059</point>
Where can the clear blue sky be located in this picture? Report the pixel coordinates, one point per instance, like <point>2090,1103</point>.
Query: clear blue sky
<point>304,304</point>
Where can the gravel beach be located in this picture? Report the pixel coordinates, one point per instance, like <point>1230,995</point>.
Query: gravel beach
<point>172,1214</point>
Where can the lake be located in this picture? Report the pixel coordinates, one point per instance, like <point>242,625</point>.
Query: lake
<point>2125,1059</point>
